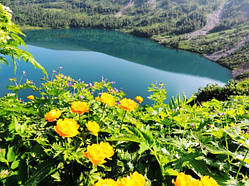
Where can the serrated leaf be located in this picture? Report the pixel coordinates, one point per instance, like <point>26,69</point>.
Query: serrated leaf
<point>143,147</point>
<point>43,170</point>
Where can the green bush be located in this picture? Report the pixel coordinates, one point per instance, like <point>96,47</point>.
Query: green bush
<point>213,91</point>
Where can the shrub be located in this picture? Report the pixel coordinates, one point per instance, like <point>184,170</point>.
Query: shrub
<point>213,91</point>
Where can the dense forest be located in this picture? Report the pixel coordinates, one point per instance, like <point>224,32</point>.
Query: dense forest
<point>170,22</point>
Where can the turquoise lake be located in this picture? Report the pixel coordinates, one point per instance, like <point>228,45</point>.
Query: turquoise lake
<point>133,63</point>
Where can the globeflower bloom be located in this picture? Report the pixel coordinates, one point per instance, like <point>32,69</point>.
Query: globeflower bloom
<point>134,179</point>
<point>52,115</point>
<point>98,98</point>
<point>185,180</point>
<point>207,181</point>
<point>97,153</point>
<point>93,127</point>
<point>139,99</point>
<point>107,99</point>
<point>79,107</point>
<point>67,128</point>
<point>128,104</point>
<point>106,182</point>
<point>31,97</point>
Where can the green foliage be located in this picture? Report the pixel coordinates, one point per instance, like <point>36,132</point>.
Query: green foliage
<point>213,91</point>
<point>10,41</point>
<point>140,17</point>
<point>157,141</point>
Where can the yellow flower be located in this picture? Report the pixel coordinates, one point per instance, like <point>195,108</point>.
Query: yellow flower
<point>4,174</point>
<point>185,180</point>
<point>30,97</point>
<point>97,153</point>
<point>107,99</point>
<point>134,179</point>
<point>128,104</point>
<point>93,127</point>
<point>52,115</point>
<point>79,107</point>
<point>207,181</point>
<point>106,182</point>
<point>67,127</point>
<point>139,99</point>
<point>98,98</point>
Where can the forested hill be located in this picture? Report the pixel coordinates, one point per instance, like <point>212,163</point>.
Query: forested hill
<point>219,29</point>
<point>145,17</point>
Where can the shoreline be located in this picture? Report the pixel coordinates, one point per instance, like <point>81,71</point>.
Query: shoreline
<point>30,28</point>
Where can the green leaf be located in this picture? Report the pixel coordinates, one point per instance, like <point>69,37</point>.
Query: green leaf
<point>130,138</point>
<point>43,170</point>
<point>2,153</point>
<point>143,147</point>
<point>3,160</point>
<point>11,155</point>
<point>3,60</point>
<point>14,165</point>
<point>170,171</point>
<point>200,167</point>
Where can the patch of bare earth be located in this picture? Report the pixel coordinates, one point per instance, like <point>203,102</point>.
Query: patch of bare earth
<point>241,70</point>
<point>121,12</point>
<point>212,20</point>
<point>225,53</point>
<point>151,4</point>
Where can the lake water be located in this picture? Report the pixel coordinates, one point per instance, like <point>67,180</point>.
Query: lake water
<point>133,63</point>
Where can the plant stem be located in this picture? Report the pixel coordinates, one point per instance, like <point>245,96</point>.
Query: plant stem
<point>122,120</point>
<point>243,162</point>
<point>228,158</point>
<point>20,80</point>
<point>103,113</point>
<point>155,154</point>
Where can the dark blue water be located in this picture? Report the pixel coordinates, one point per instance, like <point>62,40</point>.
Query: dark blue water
<point>133,63</point>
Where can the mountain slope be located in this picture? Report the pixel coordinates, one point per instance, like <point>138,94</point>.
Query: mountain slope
<point>204,26</point>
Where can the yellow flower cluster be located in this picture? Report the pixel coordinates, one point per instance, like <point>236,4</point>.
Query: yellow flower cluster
<point>107,99</point>
<point>31,97</point>
<point>79,107</point>
<point>106,182</point>
<point>67,127</point>
<point>52,115</point>
<point>139,99</point>
<point>186,180</point>
<point>93,127</point>
<point>207,181</point>
<point>97,153</point>
<point>134,179</point>
<point>98,98</point>
<point>128,104</point>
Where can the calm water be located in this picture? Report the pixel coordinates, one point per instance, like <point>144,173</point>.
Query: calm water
<point>133,63</point>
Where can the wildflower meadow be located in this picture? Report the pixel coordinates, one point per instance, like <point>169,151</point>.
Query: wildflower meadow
<point>77,133</point>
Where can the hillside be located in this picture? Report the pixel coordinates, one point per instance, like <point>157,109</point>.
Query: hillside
<point>218,29</point>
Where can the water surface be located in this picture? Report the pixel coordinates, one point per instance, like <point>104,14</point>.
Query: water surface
<point>133,63</point>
